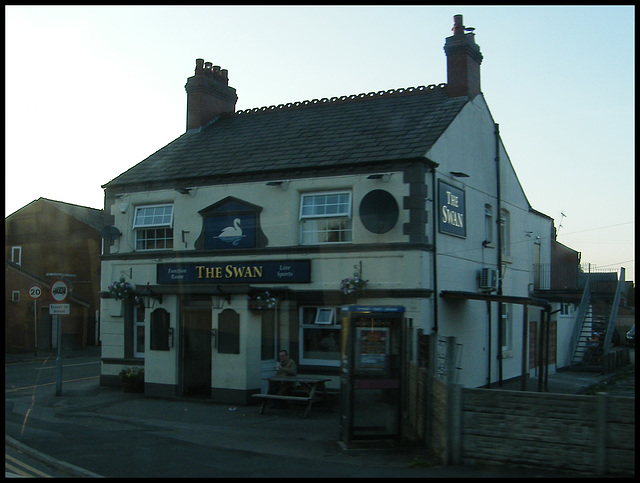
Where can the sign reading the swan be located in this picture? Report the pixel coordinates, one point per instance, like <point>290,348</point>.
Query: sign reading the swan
<point>286,271</point>
<point>230,231</point>
<point>451,210</point>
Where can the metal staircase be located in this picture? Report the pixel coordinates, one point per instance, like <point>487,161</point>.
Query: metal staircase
<point>589,347</point>
<point>592,335</point>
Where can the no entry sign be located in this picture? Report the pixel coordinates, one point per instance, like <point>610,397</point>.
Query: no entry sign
<point>59,291</point>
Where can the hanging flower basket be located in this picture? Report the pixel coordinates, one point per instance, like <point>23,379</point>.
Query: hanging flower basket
<point>353,286</point>
<point>262,301</point>
<point>121,290</point>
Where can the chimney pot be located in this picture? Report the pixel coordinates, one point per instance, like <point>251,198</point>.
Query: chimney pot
<point>199,66</point>
<point>458,27</point>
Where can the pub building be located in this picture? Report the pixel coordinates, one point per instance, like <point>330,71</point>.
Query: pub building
<point>255,230</point>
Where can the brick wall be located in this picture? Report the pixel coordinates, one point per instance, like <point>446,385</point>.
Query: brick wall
<point>576,433</point>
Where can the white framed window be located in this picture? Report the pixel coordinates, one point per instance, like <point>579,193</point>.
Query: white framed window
<point>153,226</point>
<point>325,218</point>
<point>488,224</point>
<point>566,309</point>
<point>138,331</point>
<point>16,255</point>
<point>320,335</point>
<point>506,329</point>
<point>505,233</point>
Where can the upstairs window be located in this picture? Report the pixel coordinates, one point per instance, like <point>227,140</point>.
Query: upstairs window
<point>16,255</point>
<point>153,226</point>
<point>505,233</point>
<point>488,225</point>
<point>325,218</point>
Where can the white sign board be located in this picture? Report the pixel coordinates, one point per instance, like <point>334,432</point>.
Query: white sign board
<point>59,309</point>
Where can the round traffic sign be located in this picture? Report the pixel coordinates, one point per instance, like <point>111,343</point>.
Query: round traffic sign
<point>59,290</point>
<point>35,291</point>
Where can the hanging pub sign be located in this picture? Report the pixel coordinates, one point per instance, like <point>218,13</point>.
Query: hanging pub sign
<point>452,216</point>
<point>286,271</point>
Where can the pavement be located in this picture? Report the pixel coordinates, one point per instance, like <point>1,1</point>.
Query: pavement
<point>221,440</point>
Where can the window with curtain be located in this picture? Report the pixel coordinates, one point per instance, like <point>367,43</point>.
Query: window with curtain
<point>325,218</point>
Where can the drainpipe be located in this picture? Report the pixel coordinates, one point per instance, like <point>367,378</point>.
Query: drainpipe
<point>489,348</point>
<point>499,200</point>
<point>435,255</point>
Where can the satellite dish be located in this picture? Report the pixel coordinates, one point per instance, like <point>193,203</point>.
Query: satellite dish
<point>379,211</point>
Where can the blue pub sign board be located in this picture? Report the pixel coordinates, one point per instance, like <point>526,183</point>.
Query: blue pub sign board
<point>452,211</point>
<point>230,231</point>
<point>284,271</point>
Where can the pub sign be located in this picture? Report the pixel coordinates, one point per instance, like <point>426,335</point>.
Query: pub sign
<point>452,215</point>
<point>285,271</point>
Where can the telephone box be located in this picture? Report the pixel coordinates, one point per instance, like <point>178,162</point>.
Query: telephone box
<point>371,379</point>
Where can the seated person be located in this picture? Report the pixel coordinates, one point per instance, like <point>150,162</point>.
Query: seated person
<point>286,367</point>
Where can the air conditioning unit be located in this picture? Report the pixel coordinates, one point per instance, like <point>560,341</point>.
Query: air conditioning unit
<point>488,278</point>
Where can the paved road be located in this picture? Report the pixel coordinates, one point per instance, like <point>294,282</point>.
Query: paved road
<point>128,435</point>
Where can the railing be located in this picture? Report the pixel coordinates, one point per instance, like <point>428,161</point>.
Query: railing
<point>548,276</point>
<point>579,320</point>
<point>614,312</point>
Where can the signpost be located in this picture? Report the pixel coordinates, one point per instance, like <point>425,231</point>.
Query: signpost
<point>35,292</point>
<point>60,290</point>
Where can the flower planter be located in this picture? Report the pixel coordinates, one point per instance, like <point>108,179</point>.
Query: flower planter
<point>133,386</point>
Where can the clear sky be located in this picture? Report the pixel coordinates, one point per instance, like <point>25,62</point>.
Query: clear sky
<point>92,91</point>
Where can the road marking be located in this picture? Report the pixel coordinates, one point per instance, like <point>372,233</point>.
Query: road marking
<point>24,465</point>
<point>69,365</point>
<point>48,384</point>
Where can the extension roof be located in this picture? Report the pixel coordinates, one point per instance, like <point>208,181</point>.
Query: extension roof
<point>350,131</point>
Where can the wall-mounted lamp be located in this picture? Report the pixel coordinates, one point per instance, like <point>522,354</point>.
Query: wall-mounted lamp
<point>186,191</point>
<point>383,176</point>
<point>459,174</point>
<point>149,295</point>
<point>220,298</point>
<point>284,184</point>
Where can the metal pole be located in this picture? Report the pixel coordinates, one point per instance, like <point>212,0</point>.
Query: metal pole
<point>59,358</point>
<point>35,327</point>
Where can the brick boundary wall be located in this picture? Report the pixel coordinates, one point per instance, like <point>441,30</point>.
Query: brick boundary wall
<point>570,433</point>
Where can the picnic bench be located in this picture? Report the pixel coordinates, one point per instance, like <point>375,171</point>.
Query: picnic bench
<point>307,389</point>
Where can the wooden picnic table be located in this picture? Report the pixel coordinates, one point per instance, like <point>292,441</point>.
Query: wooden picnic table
<point>310,389</point>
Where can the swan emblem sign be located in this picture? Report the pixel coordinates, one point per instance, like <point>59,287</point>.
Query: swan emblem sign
<point>231,234</point>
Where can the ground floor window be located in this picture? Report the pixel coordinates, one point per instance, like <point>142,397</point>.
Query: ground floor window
<point>506,328</point>
<point>138,331</point>
<point>320,333</point>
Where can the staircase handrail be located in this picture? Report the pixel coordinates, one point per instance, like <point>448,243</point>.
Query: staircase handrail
<point>580,314</point>
<point>614,312</point>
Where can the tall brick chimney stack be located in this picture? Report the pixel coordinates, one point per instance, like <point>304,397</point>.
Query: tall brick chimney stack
<point>463,61</point>
<point>208,94</point>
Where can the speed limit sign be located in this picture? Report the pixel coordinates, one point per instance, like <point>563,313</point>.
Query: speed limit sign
<point>35,291</point>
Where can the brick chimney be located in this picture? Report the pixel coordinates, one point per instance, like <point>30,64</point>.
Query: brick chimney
<point>463,61</point>
<point>208,94</point>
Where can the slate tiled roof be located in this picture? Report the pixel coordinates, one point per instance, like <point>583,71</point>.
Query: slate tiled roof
<point>348,131</point>
<point>89,216</point>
